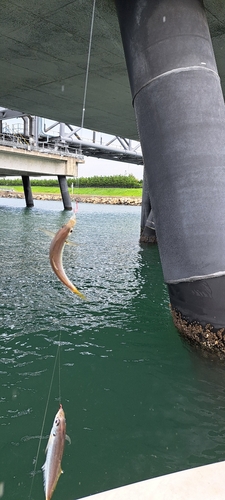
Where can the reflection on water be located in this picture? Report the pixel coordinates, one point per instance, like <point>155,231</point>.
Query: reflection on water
<point>139,401</point>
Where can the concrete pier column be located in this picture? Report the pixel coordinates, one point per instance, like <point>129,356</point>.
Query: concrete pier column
<point>180,113</point>
<point>147,231</point>
<point>27,191</point>
<point>64,192</point>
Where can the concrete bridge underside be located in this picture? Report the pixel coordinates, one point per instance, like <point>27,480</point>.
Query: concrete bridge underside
<point>170,65</point>
<point>43,58</point>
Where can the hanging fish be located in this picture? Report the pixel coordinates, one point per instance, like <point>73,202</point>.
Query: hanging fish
<point>52,466</point>
<point>56,251</point>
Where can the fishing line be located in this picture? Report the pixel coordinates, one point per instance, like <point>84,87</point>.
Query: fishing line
<point>57,356</point>
<point>75,210</point>
<point>88,64</point>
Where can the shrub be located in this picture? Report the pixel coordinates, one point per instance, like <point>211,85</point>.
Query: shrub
<point>107,181</point>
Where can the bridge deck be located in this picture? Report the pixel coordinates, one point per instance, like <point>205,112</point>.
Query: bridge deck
<point>14,161</point>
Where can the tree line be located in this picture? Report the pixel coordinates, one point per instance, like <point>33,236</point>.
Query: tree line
<point>107,181</point>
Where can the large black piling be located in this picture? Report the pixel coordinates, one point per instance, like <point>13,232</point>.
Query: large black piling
<point>180,114</point>
<point>27,191</point>
<point>64,192</point>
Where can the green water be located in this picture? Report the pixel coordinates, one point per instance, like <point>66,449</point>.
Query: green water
<point>139,401</point>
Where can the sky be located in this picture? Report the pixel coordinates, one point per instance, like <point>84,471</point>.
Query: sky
<point>95,166</point>
<point>92,166</point>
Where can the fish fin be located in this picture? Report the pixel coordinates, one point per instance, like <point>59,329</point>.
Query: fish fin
<point>44,474</point>
<point>49,439</point>
<point>49,233</point>
<point>67,438</point>
<point>71,243</point>
<point>81,295</point>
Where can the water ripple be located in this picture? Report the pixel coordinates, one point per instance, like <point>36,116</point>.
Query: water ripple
<point>139,402</point>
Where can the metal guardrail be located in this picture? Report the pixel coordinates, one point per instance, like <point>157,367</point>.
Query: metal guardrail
<point>19,141</point>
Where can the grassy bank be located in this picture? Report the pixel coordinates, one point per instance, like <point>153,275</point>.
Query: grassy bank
<point>91,191</point>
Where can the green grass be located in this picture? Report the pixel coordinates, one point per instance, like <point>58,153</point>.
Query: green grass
<point>35,189</point>
<point>108,191</point>
<point>84,191</point>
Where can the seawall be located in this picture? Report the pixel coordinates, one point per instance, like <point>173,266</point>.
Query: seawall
<point>108,200</point>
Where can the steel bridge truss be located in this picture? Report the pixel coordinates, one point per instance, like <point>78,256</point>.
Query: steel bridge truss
<point>66,139</point>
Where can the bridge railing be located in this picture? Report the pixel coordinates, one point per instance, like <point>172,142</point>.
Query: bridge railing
<point>20,141</point>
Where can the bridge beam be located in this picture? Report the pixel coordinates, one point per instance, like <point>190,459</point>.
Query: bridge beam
<point>180,114</point>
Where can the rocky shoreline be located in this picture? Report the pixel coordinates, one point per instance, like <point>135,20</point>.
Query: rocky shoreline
<point>107,200</point>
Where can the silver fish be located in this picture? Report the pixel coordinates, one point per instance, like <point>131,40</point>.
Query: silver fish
<point>54,452</point>
<point>56,251</point>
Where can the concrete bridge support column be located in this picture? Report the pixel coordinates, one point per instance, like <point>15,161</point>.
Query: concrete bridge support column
<point>27,191</point>
<point>180,114</point>
<point>64,192</point>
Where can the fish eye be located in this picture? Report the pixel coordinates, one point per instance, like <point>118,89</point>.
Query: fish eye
<point>71,231</point>
<point>57,421</point>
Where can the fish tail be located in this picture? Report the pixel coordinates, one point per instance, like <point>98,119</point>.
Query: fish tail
<point>81,295</point>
